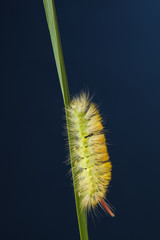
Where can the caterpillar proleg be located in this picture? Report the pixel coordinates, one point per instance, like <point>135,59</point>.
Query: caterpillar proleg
<point>90,157</point>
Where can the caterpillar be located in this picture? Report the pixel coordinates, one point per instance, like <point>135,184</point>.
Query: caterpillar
<point>90,157</point>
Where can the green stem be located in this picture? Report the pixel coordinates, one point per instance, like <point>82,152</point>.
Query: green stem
<point>58,54</point>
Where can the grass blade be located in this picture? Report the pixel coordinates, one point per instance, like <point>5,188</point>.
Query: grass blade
<point>58,54</point>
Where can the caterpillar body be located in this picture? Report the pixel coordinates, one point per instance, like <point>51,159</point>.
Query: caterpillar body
<point>90,158</point>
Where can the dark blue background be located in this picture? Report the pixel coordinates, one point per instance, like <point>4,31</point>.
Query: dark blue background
<point>112,48</point>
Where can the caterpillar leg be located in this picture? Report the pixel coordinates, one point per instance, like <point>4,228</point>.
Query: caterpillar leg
<point>104,204</point>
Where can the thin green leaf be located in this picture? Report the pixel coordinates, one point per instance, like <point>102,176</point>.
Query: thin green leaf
<point>58,54</point>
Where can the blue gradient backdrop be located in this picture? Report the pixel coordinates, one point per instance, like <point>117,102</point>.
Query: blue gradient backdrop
<point>112,48</point>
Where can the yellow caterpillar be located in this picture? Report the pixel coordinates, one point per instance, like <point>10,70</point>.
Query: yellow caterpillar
<point>89,152</point>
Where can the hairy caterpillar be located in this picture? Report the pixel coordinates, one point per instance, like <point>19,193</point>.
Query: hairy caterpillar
<point>89,152</point>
